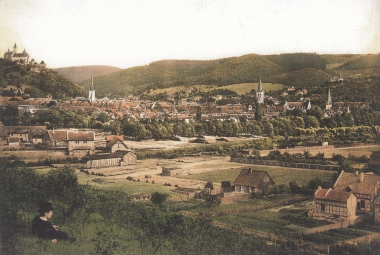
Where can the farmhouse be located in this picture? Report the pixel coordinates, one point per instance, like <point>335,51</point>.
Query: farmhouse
<point>252,181</point>
<point>77,143</point>
<point>25,134</point>
<point>335,203</point>
<point>80,143</point>
<point>365,187</point>
<point>118,158</point>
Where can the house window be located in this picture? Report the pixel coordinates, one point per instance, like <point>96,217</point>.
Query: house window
<point>76,141</point>
<point>322,207</point>
<point>84,141</point>
<point>266,179</point>
<point>362,203</point>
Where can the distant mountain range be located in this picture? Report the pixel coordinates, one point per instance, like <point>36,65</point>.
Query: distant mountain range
<point>82,73</point>
<point>295,69</point>
<point>301,70</point>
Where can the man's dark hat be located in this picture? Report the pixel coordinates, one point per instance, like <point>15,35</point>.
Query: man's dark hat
<point>45,207</point>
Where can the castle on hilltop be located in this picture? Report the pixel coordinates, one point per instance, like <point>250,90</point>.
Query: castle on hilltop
<point>22,58</point>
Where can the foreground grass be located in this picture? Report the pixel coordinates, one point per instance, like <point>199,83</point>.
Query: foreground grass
<point>280,175</point>
<point>335,235</point>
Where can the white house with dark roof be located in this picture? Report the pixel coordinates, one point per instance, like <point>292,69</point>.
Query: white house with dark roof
<point>80,143</point>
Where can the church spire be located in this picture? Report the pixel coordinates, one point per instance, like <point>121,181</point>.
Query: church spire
<point>91,93</point>
<point>260,87</point>
<point>260,93</point>
<point>329,101</point>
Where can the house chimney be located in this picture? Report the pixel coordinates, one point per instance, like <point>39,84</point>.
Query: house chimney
<point>250,170</point>
<point>361,178</point>
<point>356,173</point>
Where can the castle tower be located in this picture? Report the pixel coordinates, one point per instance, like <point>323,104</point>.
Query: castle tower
<point>91,93</point>
<point>260,93</point>
<point>15,48</point>
<point>329,101</point>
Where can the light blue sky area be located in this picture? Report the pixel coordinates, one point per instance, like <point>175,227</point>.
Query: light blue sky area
<point>131,33</point>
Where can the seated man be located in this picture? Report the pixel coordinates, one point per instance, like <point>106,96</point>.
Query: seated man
<point>41,226</point>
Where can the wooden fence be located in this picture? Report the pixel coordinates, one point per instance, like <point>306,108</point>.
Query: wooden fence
<point>285,164</point>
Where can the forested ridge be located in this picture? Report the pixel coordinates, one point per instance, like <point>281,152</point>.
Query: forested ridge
<point>167,73</point>
<point>36,81</point>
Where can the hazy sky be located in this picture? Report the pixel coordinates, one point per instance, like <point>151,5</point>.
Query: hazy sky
<point>127,33</point>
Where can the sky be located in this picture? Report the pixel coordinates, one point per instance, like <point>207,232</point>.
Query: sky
<point>127,33</point>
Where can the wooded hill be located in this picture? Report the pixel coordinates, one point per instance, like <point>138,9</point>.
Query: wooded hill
<point>297,69</point>
<point>82,73</point>
<point>39,82</point>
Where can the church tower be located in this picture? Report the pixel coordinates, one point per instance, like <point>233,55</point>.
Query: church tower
<point>260,93</point>
<point>329,101</point>
<point>15,48</point>
<point>91,93</point>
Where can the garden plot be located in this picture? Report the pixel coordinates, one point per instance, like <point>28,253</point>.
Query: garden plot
<point>283,221</point>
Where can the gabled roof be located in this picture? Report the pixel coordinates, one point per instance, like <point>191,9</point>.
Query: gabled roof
<point>58,135</point>
<point>351,182</point>
<point>114,141</point>
<point>13,139</point>
<point>116,154</point>
<point>251,178</point>
<point>80,136</point>
<point>332,195</point>
<point>374,159</point>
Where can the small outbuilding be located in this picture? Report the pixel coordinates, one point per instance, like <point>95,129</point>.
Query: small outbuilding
<point>118,158</point>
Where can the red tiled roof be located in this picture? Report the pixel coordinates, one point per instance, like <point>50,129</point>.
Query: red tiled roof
<point>332,195</point>
<point>80,136</point>
<point>58,135</point>
<point>351,182</point>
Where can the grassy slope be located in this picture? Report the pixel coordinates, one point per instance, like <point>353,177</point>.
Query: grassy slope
<point>334,61</point>
<point>364,62</point>
<point>240,89</point>
<point>82,73</point>
<point>303,78</point>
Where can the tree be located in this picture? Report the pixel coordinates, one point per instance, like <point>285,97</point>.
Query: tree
<point>158,198</point>
<point>258,112</point>
<point>209,185</point>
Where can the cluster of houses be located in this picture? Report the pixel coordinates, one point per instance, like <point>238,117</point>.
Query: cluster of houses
<point>185,109</point>
<point>351,192</point>
<point>94,150</point>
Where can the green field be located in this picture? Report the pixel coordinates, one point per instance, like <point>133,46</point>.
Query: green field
<point>244,88</point>
<point>280,175</point>
<point>240,89</point>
